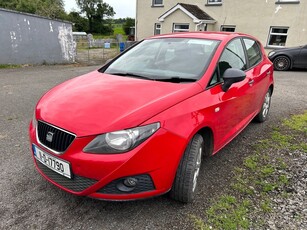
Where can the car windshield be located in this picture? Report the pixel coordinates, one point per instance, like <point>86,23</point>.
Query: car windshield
<point>165,59</point>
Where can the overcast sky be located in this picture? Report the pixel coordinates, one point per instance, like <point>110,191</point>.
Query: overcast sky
<point>123,8</point>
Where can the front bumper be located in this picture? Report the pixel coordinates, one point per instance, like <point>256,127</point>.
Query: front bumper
<point>153,164</point>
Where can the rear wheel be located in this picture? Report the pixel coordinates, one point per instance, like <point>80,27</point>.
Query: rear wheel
<point>185,182</point>
<point>282,63</point>
<point>264,112</point>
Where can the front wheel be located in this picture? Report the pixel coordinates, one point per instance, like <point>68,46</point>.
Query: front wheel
<point>264,112</point>
<point>281,63</point>
<point>188,170</point>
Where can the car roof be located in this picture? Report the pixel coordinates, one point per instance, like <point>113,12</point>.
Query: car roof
<point>204,35</point>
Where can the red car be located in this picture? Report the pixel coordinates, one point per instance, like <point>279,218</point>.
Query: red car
<point>140,126</point>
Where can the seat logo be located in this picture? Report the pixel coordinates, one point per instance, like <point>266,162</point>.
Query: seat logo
<point>49,136</point>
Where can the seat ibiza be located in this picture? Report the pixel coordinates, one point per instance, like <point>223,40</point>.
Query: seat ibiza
<point>140,125</point>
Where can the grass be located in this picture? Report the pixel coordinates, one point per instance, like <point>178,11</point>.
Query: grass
<point>255,182</point>
<point>297,122</point>
<point>266,206</point>
<point>227,213</point>
<point>84,45</point>
<point>9,66</point>
<point>117,29</point>
<point>281,140</point>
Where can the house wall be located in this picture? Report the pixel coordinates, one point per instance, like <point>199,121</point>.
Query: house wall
<point>254,17</point>
<point>30,39</point>
<point>177,17</point>
<point>147,16</point>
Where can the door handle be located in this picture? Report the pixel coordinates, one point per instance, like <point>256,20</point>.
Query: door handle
<point>268,73</point>
<point>251,82</point>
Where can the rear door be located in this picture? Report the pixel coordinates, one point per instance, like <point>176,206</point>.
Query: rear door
<point>259,73</point>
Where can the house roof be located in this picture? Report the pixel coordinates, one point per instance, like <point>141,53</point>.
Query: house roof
<point>196,11</point>
<point>193,11</point>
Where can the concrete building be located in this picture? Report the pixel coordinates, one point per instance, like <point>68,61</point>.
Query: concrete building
<point>276,23</point>
<point>31,39</point>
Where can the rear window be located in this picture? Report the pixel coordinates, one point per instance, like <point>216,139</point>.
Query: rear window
<point>254,53</point>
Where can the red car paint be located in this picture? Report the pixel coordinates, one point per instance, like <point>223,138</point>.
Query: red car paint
<point>98,103</point>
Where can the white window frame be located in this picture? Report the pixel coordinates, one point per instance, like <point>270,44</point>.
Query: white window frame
<point>180,30</point>
<point>214,2</point>
<point>280,34</point>
<point>287,1</point>
<point>157,29</point>
<point>228,26</point>
<point>157,4</point>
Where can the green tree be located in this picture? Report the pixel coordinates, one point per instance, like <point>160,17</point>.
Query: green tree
<point>79,23</point>
<point>130,22</point>
<point>27,6</point>
<point>96,11</point>
<point>48,8</point>
<point>51,9</point>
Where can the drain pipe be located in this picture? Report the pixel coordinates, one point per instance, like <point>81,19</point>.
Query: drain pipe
<point>197,25</point>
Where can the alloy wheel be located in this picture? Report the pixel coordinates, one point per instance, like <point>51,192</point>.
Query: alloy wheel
<point>197,168</point>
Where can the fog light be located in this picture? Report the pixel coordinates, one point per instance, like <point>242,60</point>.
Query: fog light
<point>130,182</point>
<point>127,185</point>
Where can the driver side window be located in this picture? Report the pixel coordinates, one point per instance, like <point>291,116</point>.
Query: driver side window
<point>232,57</point>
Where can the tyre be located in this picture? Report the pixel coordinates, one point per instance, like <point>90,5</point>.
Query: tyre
<point>185,182</point>
<point>265,108</point>
<point>282,63</point>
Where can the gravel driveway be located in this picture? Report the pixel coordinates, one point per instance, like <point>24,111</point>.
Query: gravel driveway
<point>27,201</point>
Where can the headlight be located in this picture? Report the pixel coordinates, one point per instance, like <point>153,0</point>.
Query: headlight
<point>121,141</point>
<point>271,53</point>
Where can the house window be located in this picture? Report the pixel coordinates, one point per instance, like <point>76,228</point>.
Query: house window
<point>214,2</point>
<point>181,28</point>
<point>157,2</point>
<point>278,36</point>
<point>157,30</point>
<point>228,28</point>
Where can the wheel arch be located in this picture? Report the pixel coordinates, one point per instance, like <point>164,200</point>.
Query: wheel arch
<point>207,134</point>
<point>271,88</point>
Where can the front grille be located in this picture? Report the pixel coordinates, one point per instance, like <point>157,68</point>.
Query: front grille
<point>76,184</point>
<point>144,184</point>
<point>60,139</point>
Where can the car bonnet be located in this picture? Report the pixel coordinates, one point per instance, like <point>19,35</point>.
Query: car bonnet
<point>97,103</point>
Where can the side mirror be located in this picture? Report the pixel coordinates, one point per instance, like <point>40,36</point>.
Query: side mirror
<point>231,76</point>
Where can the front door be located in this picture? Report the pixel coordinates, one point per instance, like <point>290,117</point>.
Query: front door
<point>236,104</point>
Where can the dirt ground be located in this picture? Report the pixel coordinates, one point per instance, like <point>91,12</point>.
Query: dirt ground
<point>27,201</point>
<point>95,56</point>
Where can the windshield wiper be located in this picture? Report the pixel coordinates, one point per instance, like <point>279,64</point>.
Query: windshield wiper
<point>177,79</point>
<point>131,75</point>
<point>171,79</point>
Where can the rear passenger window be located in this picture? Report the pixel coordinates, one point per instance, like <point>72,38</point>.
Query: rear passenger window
<point>254,54</point>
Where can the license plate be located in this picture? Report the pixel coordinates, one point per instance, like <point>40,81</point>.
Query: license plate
<point>54,163</point>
